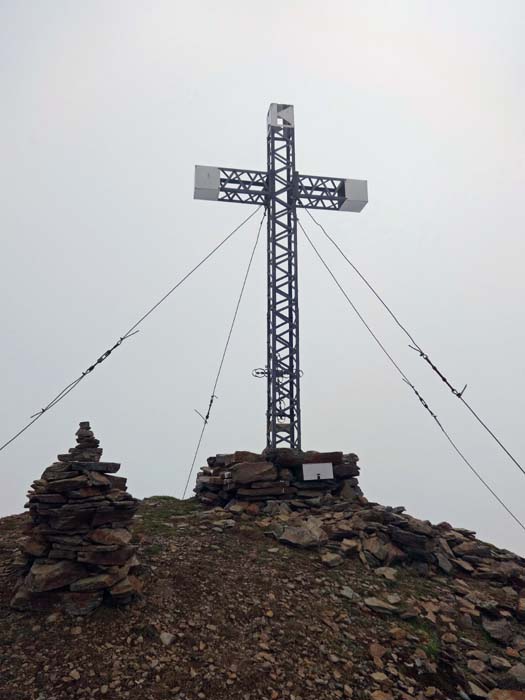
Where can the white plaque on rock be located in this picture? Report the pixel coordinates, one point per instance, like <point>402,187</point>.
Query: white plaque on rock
<point>314,472</point>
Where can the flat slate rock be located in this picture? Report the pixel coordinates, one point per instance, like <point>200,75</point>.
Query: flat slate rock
<point>47,575</point>
<point>108,467</point>
<point>248,472</point>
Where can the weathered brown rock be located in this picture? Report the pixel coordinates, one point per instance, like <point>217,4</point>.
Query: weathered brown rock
<point>387,572</point>
<point>311,493</point>
<point>268,484</point>
<point>376,547</point>
<point>105,467</point>
<point>62,553</point>
<point>57,470</point>
<point>517,674</point>
<point>105,558</point>
<point>380,606</point>
<point>125,588</point>
<point>499,663</point>
<point>242,456</point>
<point>266,492</point>
<point>249,472</point>
<point>95,583</point>
<point>76,456</point>
<point>349,490</point>
<point>465,565</point>
<point>73,518</point>
<point>474,547</point>
<point>81,603</point>
<point>419,546</point>
<point>444,562</point>
<point>98,479</point>
<point>500,630</point>
<point>283,456</point>
<point>119,536</point>
<point>350,546</point>
<point>331,559</point>
<point>520,610</point>
<point>116,482</point>
<point>211,480</point>
<point>108,515</point>
<point>311,534</point>
<point>344,529</point>
<point>323,458</point>
<point>36,546</point>
<point>345,471</point>
<point>62,485</point>
<point>55,498</point>
<point>47,576</point>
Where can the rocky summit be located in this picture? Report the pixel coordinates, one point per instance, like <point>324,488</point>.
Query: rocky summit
<point>278,598</point>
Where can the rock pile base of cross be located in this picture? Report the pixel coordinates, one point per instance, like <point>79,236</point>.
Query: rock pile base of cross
<point>79,552</point>
<point>304,478</point>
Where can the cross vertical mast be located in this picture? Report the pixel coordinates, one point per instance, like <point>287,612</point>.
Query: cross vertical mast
<point>283,407</point>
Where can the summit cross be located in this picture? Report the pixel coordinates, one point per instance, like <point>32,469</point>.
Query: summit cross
<point>281,190</point>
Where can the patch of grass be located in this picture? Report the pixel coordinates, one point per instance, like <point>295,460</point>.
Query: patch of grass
<point>173,506</point>
<point>13,522</point>
<point>156,513</point>
<point>154,549</point>
<point>432,645</point>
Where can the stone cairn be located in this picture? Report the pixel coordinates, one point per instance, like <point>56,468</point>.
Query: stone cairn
<point>78,553</point>
<point>279,473</point>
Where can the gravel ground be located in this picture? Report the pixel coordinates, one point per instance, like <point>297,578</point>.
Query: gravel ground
<point>227,612</point>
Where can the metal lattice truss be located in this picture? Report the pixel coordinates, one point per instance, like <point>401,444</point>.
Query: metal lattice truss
<point>251,187</point>
<point>283,414</point>
<point>281,190</point>
<point>243,186</point>
<point>314,192</point>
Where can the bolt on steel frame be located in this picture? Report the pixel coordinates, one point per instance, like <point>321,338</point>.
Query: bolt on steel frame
<point>281,190</point>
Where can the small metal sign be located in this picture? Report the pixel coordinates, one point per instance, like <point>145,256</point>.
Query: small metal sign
<point>315,472</point>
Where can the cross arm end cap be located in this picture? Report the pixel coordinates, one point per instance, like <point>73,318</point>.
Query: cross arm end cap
<point>207,182</point>
<point>355,195</point>
<point>280,116</point>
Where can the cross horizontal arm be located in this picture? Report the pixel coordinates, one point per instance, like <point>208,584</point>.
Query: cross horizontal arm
<point>230,185</point>
<point>250,187</point>
<point>317,192</point>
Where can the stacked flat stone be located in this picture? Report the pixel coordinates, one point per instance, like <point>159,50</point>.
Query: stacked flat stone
<point>277,474</point>
<point>78,553</point>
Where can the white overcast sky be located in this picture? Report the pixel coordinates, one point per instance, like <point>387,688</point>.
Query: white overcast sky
<point>106,107</point>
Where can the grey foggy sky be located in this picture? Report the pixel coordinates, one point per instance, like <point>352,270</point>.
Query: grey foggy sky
<point>107,106</point>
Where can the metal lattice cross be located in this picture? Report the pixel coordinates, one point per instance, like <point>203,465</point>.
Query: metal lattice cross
<point>281,189</point>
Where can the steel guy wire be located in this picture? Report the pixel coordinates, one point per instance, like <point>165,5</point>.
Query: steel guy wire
<point>213,396</point>
<point>415,346</point>
<point>132,331</point>
<point>410,384</point>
